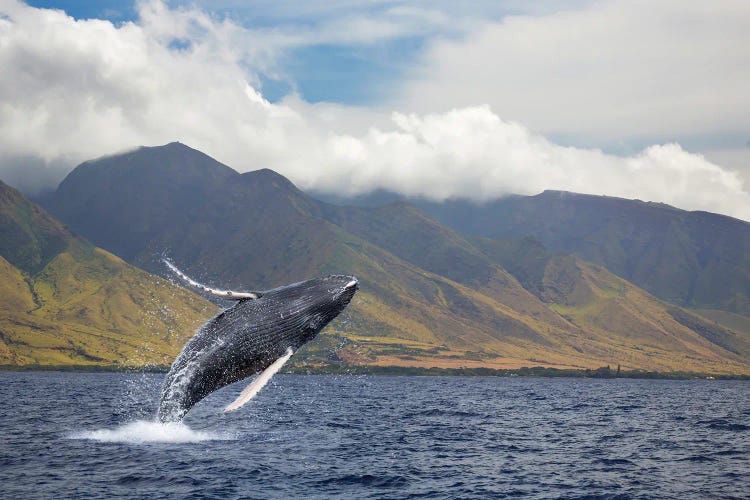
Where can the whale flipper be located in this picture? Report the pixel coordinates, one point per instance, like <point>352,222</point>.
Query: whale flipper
<point>224,294</point>
<point>259,382</point>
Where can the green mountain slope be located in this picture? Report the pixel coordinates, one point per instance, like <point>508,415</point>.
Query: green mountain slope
<point>692,259</point>
<point>623,317</point>
<point>618,320</point>
<point>429,297</point>
<point>409,234</point>
<point>258,231</point>
<point>29,237</point>
<point>66,302</point>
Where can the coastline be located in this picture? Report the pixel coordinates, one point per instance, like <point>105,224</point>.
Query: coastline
<point>527,372</point>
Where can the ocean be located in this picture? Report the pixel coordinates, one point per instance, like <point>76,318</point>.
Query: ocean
<point>91,435</point>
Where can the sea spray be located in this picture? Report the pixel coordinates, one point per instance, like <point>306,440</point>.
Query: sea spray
<point>143,431</point>
<point>140,395</point>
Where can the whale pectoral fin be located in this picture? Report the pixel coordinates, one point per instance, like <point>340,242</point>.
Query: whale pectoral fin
<point>259,382</point>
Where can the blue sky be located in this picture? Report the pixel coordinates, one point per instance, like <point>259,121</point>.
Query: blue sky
<point>355,73</point>
<point>93,9</point>
<point>352,74</point>
<point>439,99</point>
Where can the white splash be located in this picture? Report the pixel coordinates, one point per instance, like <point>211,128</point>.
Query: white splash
<point>143,431</point>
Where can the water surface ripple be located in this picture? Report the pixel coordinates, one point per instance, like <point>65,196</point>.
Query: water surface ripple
<point>90,435</point>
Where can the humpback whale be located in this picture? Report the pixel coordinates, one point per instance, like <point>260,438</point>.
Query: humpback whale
<point>259,333</point>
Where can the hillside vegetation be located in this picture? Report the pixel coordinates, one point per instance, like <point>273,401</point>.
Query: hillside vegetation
<point>692,259</point>
<point>66,302</point>
<point>429,295</point>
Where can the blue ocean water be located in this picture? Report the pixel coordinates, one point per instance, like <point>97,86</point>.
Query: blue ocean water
<point>66,435</point>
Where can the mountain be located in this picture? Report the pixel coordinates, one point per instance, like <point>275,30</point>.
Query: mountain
<point>66,302</point>
<point>429,296</point>
<point>586,295</point>
<point>595,299</point>
<point>691,259</point>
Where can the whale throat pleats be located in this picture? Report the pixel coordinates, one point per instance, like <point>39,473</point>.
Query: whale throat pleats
<point>224,294</point>
<point>259,382</point>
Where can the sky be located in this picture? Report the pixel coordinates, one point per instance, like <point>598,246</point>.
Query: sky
<point>477,100</point>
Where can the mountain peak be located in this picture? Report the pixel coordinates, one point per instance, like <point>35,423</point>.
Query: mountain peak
<point>268,177</point>
<point>173,162</point>
<point>266,173</point>
<point>174,146</point>
<point>553,194</point>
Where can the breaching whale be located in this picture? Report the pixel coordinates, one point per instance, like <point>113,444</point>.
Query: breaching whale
<point>259,333</point>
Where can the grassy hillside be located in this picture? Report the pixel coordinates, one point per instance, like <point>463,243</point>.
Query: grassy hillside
<point>429,296</point>
<point>729,320</point>
<point>692,259</point>
<point>624,319</point>
<point>409,234</point>
<point>29,237</point>
<point>66,302</point>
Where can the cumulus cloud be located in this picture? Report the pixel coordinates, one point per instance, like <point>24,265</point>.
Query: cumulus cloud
<point>612,71</point>
<point>72,90</point>
<point>471,152</point>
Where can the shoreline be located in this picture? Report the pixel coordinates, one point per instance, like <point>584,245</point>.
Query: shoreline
<point>526,372</point>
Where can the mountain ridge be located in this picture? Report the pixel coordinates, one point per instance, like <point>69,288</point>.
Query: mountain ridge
<point>695,259</point>
<point>429,296</point>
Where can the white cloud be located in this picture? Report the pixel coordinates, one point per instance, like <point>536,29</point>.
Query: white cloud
<point>614,71</point>
<point>72,90</point>
<point>471,152</point>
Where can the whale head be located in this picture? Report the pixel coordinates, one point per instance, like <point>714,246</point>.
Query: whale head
<point>316,301</point>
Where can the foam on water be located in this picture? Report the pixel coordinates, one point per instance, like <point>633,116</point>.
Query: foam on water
<point>144,431</point>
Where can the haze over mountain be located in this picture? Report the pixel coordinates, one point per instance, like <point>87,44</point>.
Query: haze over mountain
<point>429,296</point>
<point>64,301</point>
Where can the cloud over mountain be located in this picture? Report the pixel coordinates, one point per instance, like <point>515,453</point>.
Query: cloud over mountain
<point>73,89</point>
